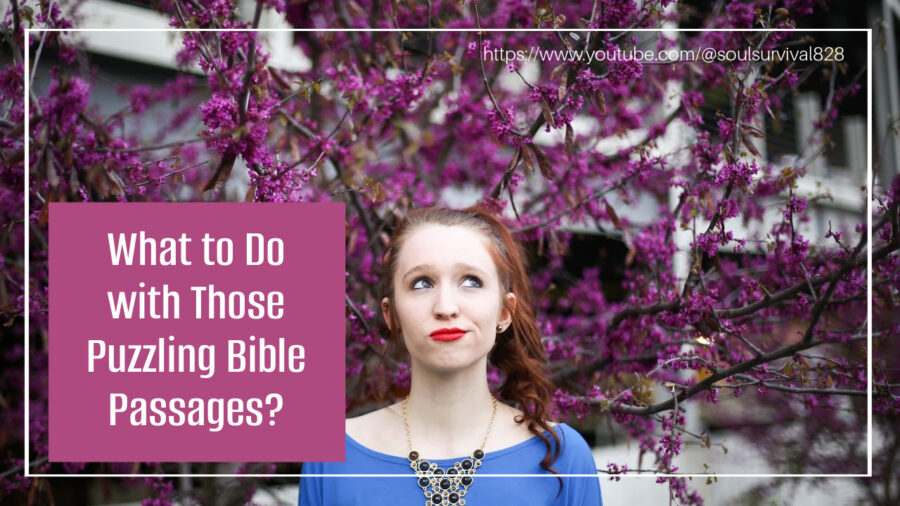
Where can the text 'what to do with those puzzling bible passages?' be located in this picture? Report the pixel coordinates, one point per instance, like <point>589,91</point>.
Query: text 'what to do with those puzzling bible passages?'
<point>244,355</point>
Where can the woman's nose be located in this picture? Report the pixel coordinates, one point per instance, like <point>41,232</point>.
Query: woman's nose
<point>445,306</point>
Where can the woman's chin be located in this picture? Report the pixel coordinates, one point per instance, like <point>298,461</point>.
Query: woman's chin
<point>450,364</point>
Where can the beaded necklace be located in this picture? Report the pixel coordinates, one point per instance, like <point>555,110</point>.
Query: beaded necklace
<point>446,487</point>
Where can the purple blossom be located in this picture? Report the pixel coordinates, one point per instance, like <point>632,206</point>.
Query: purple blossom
<point>739,173</point>
<point>625,71</point>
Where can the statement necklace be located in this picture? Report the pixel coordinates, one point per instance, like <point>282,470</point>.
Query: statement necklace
<point>446,487</point>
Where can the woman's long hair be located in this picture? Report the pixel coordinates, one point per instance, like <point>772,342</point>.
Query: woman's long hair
<point>518,351</point>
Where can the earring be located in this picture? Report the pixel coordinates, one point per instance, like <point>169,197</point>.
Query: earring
<point>499,328</point>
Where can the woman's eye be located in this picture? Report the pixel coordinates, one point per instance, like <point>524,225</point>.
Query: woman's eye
<point>471,282</point>
<point>421,283</point>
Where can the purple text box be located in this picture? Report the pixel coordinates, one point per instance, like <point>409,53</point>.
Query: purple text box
<point>197,388</point>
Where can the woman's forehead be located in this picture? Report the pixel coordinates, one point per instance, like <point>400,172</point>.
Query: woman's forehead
<point>445,245</point>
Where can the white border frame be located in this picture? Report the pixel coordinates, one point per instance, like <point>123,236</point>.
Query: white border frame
<point>599,475</point>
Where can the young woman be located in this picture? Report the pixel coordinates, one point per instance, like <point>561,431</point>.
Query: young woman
<point>457,295</point>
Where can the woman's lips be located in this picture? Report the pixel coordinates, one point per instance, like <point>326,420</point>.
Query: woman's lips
<point>445,335</point>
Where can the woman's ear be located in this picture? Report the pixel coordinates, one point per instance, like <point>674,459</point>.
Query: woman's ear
<point>506,312</point>
<point>386,312</point>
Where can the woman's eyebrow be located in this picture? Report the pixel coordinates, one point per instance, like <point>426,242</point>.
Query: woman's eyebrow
<point>469,267</point>
<point>414,270</point>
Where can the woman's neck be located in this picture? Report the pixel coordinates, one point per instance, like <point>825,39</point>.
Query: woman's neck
<point>448,414</point>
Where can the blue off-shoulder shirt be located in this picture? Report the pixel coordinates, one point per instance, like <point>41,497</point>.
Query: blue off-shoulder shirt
<point>401,488</point>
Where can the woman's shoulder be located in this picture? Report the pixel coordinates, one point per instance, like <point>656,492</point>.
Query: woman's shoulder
<point>567,430</point>
<point>575,453</point>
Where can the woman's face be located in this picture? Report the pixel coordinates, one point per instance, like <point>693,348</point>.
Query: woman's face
<point>447,297</point>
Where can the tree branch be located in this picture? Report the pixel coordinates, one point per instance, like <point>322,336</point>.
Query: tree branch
<point>712,379</point>
<point>804,284</point>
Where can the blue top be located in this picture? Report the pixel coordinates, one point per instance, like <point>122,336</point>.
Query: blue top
<point>524,458</point>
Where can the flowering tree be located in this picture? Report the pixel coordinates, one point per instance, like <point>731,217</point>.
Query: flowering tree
<point>724,291</point>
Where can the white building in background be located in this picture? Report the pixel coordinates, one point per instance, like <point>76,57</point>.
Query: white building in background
<point>153,45</point>
<point>886,83</point>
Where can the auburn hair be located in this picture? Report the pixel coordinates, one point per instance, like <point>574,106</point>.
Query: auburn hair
<point>518,352</point>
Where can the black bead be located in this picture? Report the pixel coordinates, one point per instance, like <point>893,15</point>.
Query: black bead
<point>439,471</point>
<point>423,482</point>
<point>423,466</point>
<point>413,456</point>
<point>478,454</point>
<point>445,483</point>
<point>466,464</point>
<point>454,497</point>
<point>467,480</point>
<point>437,499</point>
<point>452,470</point>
